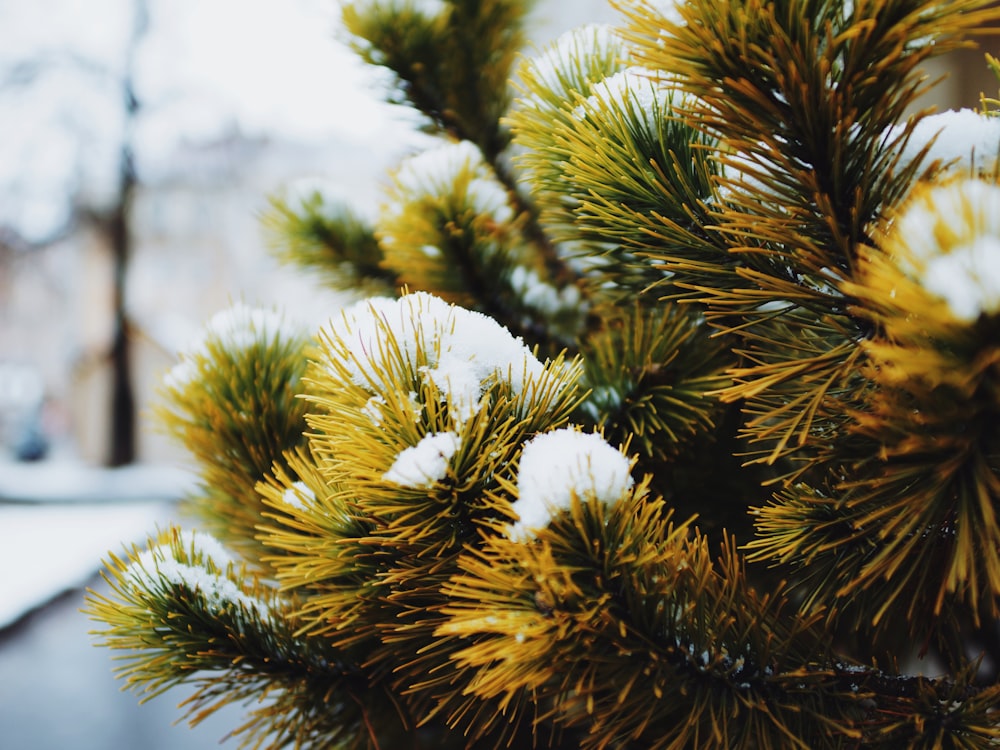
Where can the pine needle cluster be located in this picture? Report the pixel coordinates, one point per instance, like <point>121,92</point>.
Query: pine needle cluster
<point>672,421</point>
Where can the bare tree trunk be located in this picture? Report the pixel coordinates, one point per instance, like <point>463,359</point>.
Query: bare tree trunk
<point>122,449</point>
<point>123,418</point>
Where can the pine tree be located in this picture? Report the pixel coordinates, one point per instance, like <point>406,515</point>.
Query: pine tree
<point>672,421</point>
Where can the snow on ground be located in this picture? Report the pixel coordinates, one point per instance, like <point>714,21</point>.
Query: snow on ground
<point>72,481</point>
<point>59,519</point>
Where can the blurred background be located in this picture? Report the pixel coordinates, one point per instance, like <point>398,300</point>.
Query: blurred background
<point>139,143</point>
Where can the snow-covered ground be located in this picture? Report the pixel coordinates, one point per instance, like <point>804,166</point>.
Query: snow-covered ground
<point>60,518</point>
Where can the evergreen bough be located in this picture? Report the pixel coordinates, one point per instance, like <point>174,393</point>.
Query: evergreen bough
<point>675,424</point>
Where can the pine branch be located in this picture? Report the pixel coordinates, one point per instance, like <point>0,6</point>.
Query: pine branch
<point>622,620</point>
<point>188,615</point>
<point>329,240</point>
<point>612,170</point>
<point>911,521</point>
<point>459,565</point>
<point>453,60</point>
<point>232,401</point>
<point>803,98</point>
<point>455,68</point>
<point>371,547</point>
<point>650,374</point>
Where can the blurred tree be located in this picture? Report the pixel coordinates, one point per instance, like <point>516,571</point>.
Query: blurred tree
<point>84,100</point>
<point>122,449</point>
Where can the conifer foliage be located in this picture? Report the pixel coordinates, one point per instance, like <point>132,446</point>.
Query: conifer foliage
<point>673,420</point>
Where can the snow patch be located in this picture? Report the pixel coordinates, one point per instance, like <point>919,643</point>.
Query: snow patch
<point>242,326</point>
<point>237,328</point>
<point>964,139</point>
<point>952,238</point>
<point>219,592</point>
<point>968,278</point>
<point>435,171</point>
<point>297,495</point>
<point>541,296</point>
<point>462,384</point>
<point>634,91</point>
<point>192,542</point>
<point>556,68</point>
<point>463,350</point>
<point>373,409</point>
<point>562,464</point>
<point>425,463</point>
<point>158,564</point>
<point>49,548</point>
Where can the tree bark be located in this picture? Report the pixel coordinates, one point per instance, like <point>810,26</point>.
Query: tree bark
<point>122,448</point>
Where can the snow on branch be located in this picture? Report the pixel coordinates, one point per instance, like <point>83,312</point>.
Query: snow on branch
<point>562,464</point>
<point>462,350</point>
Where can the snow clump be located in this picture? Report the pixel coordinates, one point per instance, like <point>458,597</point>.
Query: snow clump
<point>950,235</point>
<point>236,329</point>
<point>159,564</point>
<point>459,351</point>
<point>436,171</point>
<point>635,91</point>
<point>963,139</point>
<point>297,495</point>
<point>243,326</point>
<point>425,463</point>
<point>541,296</point>
<point>558,68</point>
<point>562,464</point>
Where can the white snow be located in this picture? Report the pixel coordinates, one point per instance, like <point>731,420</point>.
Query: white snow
<point>236,328</point>
<point>46,549</point>
<point>489,198</point>
<point>242,326</point>
<point>460,345</point>
<point>634,91</point>
<point>427,170</point>
<point>435,171</point>
<point>562,464</point>
<point>159,563</point>
<point>217,590</point>
<point>461,383</point>
<point>541,296</point>
<point>59,518</point>
<point>952,237</point>
<point>298,495</point>
<point>66,481</point>
<point>192,542</point>
<point>556,67</point>
<point>964,139</point>
<point>425,463</point>
<point>373,409</point>
<point>968,278</point>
